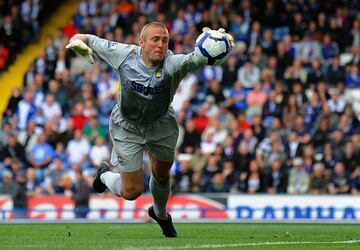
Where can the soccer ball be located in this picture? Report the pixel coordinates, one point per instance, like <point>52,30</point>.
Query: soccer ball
<point>212,47</point>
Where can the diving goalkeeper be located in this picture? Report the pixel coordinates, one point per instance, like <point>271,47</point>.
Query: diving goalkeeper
<point>143,118</point>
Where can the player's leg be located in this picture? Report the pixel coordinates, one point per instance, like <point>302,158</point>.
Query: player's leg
<point>160,185</point>
<point>128,185</point>
<point>162,138</point>
<point>127,155</point>
<point>160,190</point>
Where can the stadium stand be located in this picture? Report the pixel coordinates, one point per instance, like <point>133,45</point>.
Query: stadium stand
<point>20,24</point>
<point>281,116</point>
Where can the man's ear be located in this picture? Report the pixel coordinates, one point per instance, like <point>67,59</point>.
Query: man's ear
<point>141,42</point>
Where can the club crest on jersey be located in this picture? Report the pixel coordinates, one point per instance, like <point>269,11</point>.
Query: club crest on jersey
<point>158,74</point>
<point>111,45</point>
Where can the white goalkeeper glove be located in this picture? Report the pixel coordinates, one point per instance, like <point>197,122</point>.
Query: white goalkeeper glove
<point>80,48</point>
<point>222,30</point>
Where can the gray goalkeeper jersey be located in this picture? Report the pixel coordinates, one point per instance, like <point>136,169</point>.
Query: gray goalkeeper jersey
<point>145,93</point>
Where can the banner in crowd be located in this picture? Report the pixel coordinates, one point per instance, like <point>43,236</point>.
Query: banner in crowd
<point>111,207</point>
<point>192,207</point>
<point>286,207</point>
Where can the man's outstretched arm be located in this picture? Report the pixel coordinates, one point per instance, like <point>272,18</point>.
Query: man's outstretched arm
<point>79,44</point>
<point>111,52</point>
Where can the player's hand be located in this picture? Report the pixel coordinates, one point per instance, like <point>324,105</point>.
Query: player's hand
<point>229,37</point>
<point>222,30</point>
<point>80,48</point>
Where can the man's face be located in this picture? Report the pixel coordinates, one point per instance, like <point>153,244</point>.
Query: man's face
<point>155,45</point>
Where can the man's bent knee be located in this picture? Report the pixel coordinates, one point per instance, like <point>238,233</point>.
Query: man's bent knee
<point>131,193</point>
<point>161,170</point>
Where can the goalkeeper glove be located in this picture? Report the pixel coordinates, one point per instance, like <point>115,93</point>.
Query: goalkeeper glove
<point>222,30</point>
<point>229,37</point>
<point>80,48</point>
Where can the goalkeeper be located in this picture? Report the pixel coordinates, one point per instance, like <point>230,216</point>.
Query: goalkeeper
<point>143,118</point>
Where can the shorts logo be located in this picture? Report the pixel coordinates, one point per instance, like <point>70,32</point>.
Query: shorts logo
<point>120,160</point>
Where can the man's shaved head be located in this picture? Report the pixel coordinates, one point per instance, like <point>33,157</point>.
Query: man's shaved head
<point>143,32</point>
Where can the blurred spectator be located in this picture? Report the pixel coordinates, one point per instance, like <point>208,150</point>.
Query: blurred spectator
<point>248,75</point>
<point>293,147</point>
<point>12,103</point>
<point>198,160</point>
<point>201,120</point>
<point>192,138</point>
<point>329,49</point>
<point>350,158</point>
<point>78,150</point>
<point>321,135</point>
<point>238,96</point>
<point>253,181</point>
<point>229,174</point>
<point>25,109</point>
<point>66,185</point>
<point>255,100</point>
<point>183,178</point>
<point>299,179</point>
<point>290,111</point>
<point>33,185</point>
<point>52,181</point>
<point>19,196</point>
<point>241,158</point>
<point>352,77</point>
<point>7,184</point>
<point>335,72</point>
<point>218,184</point>
<point>215,91</point>
<point>29,10</point>
<point>51,107</point>
<point>92,130</point>
<point>229,73</point>
<point>308,49</point>
<point>78,117</point>
<point>328,158</point>
<point>337,102</point>
<point>339,182</point>
<point>99,152</point>
<point>208,144</point>
<point>315,74</point>
<point>40,156</point>
<point>275,178</point>
<point>266,147</point>
<point>29,137</point>
<point>81,195</point>
<point>319,180</point>
<point>13,150</point>
<point>211,168</point>
<point>271,109</point>
<point>355,181</point>
<point>4,57</point>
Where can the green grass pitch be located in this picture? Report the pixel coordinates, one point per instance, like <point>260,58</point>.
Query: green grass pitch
<point>190,236</point>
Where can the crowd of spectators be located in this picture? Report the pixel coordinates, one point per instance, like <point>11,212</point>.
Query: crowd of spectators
<point>281,116</point>
<point>20,22</point>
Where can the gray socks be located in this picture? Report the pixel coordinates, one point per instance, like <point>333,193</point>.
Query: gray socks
<point>160,195</point>
<point>112,181</point>
<point>159,192</point>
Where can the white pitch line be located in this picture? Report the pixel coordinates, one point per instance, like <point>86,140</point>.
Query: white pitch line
<point>266,243</point>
